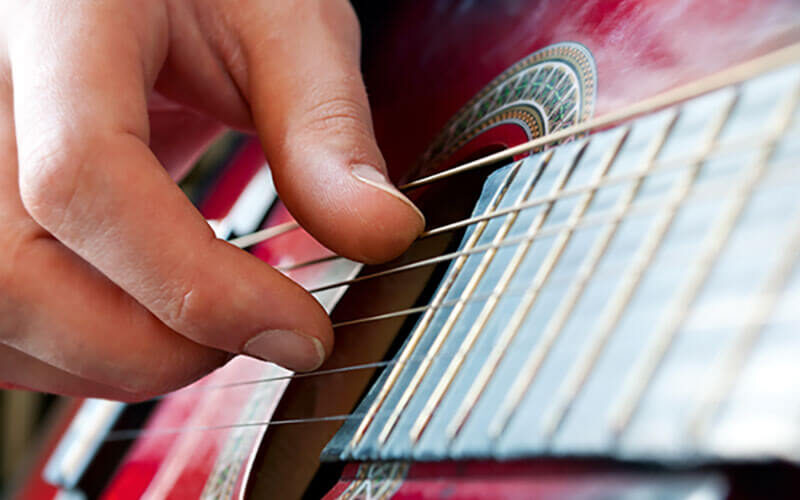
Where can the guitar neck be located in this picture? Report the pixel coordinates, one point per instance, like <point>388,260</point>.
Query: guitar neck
<point>616,296</point>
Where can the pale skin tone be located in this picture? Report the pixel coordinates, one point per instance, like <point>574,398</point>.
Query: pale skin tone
<point>111,283</point>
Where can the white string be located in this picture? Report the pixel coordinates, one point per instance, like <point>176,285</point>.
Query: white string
<point>642,208</point>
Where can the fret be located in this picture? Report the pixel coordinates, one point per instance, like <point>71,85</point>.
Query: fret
<point>499,289</point>
<point>551,333</point>
<point>421,327</point>
<point>455,313</point>
<point>488,368</point>
<point>640,377</point>
<point>489,306</point>
<point>741,145</point>
<point>610,318</point>
<point>565,168</point>
<point>667,259</point>
<point>733,361</point>
<point>567,304</point>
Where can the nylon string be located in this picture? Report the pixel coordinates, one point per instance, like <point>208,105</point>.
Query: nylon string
<point>728,77</point>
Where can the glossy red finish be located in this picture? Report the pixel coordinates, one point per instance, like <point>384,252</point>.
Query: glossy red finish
<point>244,164</point>
<point>35,488</point>
<point>421,66</point>
<point>434,56</point>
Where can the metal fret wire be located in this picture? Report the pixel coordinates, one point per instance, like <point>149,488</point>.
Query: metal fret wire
<point>599,337</point>
<point>549,263</point>
<point>500,288</point>
<point>610,315</point>
<point>613,216</point>
<point>732,362</point>
<point>676,163</point>
<point>125,434</point>
<point>472,284</point>
<point>720,186</point>
<point>736,74</point>
<point>515,291</point>
<point>416,335</point>
<point>639,379</point>
<point>566,305</point>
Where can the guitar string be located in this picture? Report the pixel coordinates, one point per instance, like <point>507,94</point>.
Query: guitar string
<point>675,163</point>
<point>739,74</point>
<point>724,78</point>
<point>130,434</point>
<point>730,76</point>
<point>510,292</point>
<point>265,234</point>
<point>127,434</point>
<point>548,231</point>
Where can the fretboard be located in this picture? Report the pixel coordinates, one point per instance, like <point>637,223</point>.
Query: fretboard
<point>637,296</point>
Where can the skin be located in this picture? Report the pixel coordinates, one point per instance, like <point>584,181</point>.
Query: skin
<point>111,283</point>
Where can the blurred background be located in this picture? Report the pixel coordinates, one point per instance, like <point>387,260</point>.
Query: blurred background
<point>22,415</point>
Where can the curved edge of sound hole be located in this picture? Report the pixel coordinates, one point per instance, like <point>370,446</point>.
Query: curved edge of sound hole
<point>287,463</point>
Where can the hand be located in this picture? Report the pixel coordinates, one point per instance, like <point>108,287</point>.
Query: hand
<point>111,283</point>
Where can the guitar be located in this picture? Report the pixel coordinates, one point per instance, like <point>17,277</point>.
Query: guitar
<point>604,302</point>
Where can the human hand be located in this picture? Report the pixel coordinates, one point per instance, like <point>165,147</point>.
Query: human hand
<point>111,283</point>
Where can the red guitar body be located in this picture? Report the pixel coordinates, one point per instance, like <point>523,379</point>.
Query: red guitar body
<point>423,62</point>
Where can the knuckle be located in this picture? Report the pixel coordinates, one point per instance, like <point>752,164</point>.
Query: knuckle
<point>188,310</point>
<point>340,114</point>
<point>188,304</point>
<point>183,307</point>
<point>49,178</point>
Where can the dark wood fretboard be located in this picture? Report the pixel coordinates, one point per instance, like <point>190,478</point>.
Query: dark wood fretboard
<point>636,296</point>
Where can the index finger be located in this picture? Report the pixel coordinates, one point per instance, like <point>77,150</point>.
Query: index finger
<point>89,178</point>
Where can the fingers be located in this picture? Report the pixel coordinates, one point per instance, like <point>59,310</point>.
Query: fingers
<point>67,315</point>
<point>311,111</point>
<point>20,371</point>
<point>89,178</point>
<point>72,330</point>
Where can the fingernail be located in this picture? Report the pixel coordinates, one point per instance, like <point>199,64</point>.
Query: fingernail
<point>375,178</point>
<point>287,348</point>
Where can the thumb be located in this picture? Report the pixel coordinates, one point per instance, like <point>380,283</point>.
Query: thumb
<point>311,111</point>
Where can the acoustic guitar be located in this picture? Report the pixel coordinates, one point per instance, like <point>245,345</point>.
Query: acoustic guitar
<point>605,302</point>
